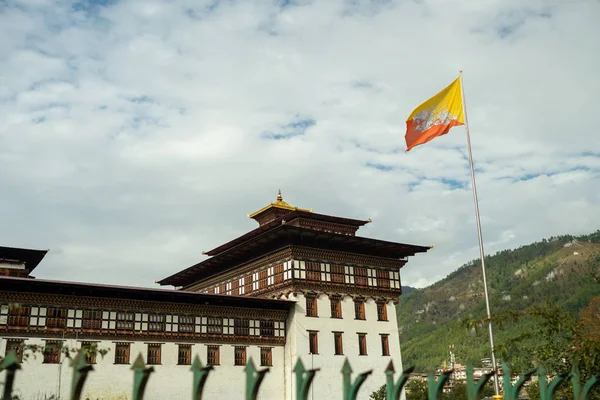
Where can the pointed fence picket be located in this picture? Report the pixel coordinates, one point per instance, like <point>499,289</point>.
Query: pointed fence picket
<point>304,379</point>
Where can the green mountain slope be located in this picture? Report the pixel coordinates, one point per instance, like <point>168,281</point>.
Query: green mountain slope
<point>560,270</point>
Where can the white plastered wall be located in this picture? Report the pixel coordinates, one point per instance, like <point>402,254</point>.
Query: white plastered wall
<point>328,381</point>
<point>37,381</point>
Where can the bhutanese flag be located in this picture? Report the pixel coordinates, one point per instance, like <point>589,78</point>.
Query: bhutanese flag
<point>436,116</point>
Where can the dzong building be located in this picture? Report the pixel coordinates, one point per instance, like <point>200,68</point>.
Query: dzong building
<point>301,284</point>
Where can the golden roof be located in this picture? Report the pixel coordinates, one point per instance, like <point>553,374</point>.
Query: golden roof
<point>279,203</point>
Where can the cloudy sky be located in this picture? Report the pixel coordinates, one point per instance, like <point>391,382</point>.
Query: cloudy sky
<point>136,134</point>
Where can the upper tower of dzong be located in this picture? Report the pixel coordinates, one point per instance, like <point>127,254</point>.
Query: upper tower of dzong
<point>298,250</point>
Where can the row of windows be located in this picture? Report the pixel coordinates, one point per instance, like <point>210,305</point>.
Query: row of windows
<point>79,319</point>
<point>336,308</point>
<point>338,343</point>
<point>309,271</point>
<point>52,353</point>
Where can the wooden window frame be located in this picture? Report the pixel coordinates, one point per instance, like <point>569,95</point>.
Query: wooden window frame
<point>313,342</point>
<point>336,307</point>
<point>362,344</point>
<point>383,278</point>
<point>385,344</point>
<point>313,271</point>
<point>382,311</point>
<point>359,309</point>
<point>16,345</point>
<point>213,356</point>
<point>184,354</point>
<point>122,359</point>
<point>187,324</point>
<point>154,354</point>
<point>360,276</point>
<point>338,343</point>
<point>90,354</point>
<point>266,356</point>
<point>239,355</point>
<point>57,318</point>
<point>267,328</point>
<point>241,327</point>
<point>311,306</point>
<point>52,353</point>
<point>337,274</point>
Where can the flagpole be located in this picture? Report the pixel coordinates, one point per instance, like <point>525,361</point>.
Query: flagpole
<point>481,252</point>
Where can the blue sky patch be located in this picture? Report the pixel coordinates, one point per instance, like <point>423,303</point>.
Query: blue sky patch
<point>380,167</point>
<point>297,127</point>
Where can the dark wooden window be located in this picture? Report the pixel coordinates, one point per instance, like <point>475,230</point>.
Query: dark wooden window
<point>337,273</point>
<point>154,353</point>
<point>214,325</point>
<point>235,287</point>
<point>313,342</point>
<point>360,276</point>
<point>338,343</point>
<point>125,321</point>
<point>89,349</point>
<point>248,284</point>
<point>212,355</point>
<point>311,306</point>
<point>222,289</point>
<point>266,357</point>
<point>16,346</point>
<point>186,324</point>
<point>122,353</point>
<point>241,327</point>
<point>336,307</point>
<point>57,318</point>
<point>239,357</point>
<point>262,279</point>
<point>52,352</point>
<point>92,319</point>
<point>359,309</point>
<point>362,344</point>
<point>382,312</point>
<point>184,354</point>
<point>18,316</point>
<point>278,274</point>
<point>156,323</point>
<point>313,271</point>
<point>267,328</point>
<point>385,345</point>
<point>383,278</point>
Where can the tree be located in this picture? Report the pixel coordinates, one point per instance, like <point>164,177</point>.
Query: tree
<point>379,394</point>
<point>416,389</point>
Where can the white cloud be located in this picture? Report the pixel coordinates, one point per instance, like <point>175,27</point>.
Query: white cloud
<point>134,134</point>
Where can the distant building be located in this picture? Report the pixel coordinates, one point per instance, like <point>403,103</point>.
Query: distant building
<point>300,285</point>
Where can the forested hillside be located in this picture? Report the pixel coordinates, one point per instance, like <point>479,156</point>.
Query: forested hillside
<point>562,270</point>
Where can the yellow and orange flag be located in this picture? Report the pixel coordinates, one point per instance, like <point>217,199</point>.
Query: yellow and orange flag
<point>436,116</point>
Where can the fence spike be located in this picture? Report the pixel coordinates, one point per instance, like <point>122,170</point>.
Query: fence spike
<point>304,379</point>
<point>580,393</point>
<point>80,371</point>
<point>200,375</point>
<point>254,379</point>
<point>350,390</point>
<point>547,391</point>
<point>10,364</point>
<point>393,390</point>
<point>435,388</point>
<point>475,389</point>
<point>141,374</point>
<point>511,392</point>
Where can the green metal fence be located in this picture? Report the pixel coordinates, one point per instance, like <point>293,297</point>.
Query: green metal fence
<point>304,379</point>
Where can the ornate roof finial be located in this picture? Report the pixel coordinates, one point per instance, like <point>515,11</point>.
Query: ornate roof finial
<point>279,198</point>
